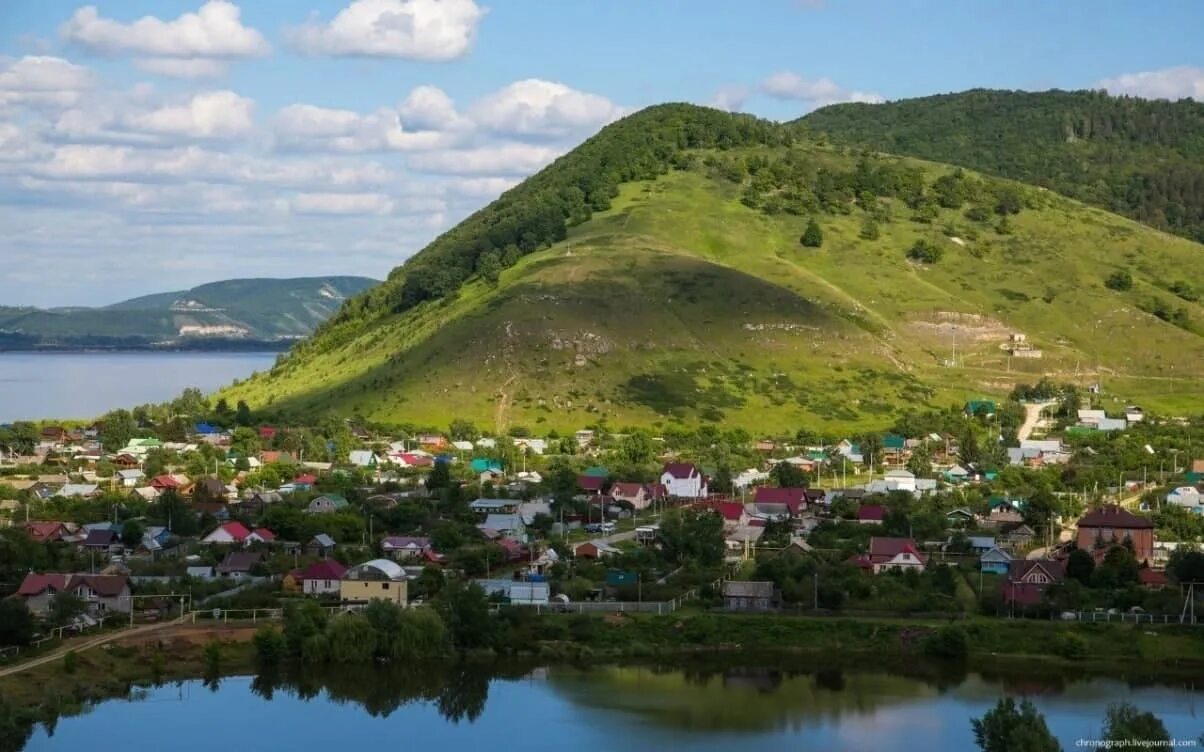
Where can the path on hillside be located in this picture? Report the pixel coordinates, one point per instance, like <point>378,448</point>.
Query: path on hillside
<point>1032,415</point>
<point>86,645</point>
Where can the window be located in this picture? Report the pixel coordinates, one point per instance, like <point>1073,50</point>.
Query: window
<point>384,586</point>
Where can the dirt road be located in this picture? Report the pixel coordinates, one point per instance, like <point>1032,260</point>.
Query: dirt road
<point>81,645</point>
<point>1032,414</point>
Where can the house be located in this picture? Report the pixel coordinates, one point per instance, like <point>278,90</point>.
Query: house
<point>267,433</point>
<point>595,549</point>
<point>792,499</point>
<point>320,545</point>
<point>956,474</point>
<point>1152,579</point>
<point>201,572</point>
<point>226,534</point>
<point>238,564</point>
<point>484,464</point>
<point>165,482</point>
<point>261,535</point>
<point>1110,524</point>
<point>1188,497</point>
<point>378,579</point>
<point>210,488</point>
<point>104,540</point>
<point>101,593</point>
<point>79,490</point>
<point>871,514</point>
<point>1196,473</point>
<point>985,408</point>
<point>129,478</point>
<point>219,509</point>
<point>1028,579</point>
<point>994,561</point>
<point>494,506</point>
<point>362,458</point>
<point>46,532</point>
<point>404,548</point>
<point>891,553</point>
<point>505,524</point>
<point>1016,535</point>
<point>322,577</point>
<point>515,550</point>
<point>894,448</point>
<point>733,512</point>
<point>591,484</point>
<point>635,494</point>
<point>980,544</point>
<point>683,480</point>
<point>959,518</point>
<point>900,480</point>
<point>750,596</point>
<point>325,504</point>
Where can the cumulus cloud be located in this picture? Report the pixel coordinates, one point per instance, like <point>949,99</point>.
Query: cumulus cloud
<point>816,92</point>
<point>198,67</point>
<point>731,98</point>
<point>341,203</point>
<point>213,114</point>
<point>216,30</point>
<point>307,127</point>
<point>499,159</point>
<point>1180,82</point>
<point>38,80</point>
<point>430,108</point>
<point>431,30</point>
<point>543,108</point>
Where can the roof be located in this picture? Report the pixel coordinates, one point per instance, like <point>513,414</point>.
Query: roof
<point>45,531</point>
<point>729,510</point>
<point>235,530</point>
<point>327,569</point>
<point>893,441</point>
<point>373,570</point>
<point>1113,516</point>
<point>78,489</point>
<point>596,472</point>
<point>591,482</point>
<point>756,589</point>
<point>265,535</point>
<point>788,496</point>
<point>1018,568</point>
<point>394,542</point>
<point>888,548</point>
<point>336,501</point>
<point>239,561</point>
<point>36,584</point>
<point>105,585</point>
<point>1151,577</point>
<point>322,539</point>
<point>101,538</point>
<point>681,470</point>
<point>871,512</point>
<point>627,490</point>
<point>503,522</point>
<point>996,554</point>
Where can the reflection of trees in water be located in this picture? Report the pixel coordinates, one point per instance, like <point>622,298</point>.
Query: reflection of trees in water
<point>458,692</point>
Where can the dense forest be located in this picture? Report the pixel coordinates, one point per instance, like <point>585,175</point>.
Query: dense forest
<point>1140,158</point>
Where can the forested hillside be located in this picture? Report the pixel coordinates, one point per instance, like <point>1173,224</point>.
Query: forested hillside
<point>686,265</point>
<point>1139,158</point>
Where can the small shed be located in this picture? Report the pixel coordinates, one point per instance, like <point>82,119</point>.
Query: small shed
<point>750,596</point>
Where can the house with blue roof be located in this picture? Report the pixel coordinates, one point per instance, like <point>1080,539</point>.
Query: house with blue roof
<point>485,465</point>
<point>995,561</point>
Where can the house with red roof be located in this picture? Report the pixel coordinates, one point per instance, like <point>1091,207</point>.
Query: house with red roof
<point>638,495</point>
<point>733,512</point>
<point>683,480</point>
<point>780,502</point>
<point>1152,579</point>
<point>305,479</point>
<point>268,432</point>
<point>591,484</point>
<point>515,549</point>
<point>228,533</point>
<point>322,577</point>
<point>1110,524</point>
<point>46,532</point>
<point>164,482</point>
<point>1028,579</point>
<point>260,535</point>
<point>101,593</point>
<point>871,514</point>
<point>891,553</point>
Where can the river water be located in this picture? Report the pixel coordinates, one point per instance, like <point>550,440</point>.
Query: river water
<point>46,385</point>
<point>632,709</point>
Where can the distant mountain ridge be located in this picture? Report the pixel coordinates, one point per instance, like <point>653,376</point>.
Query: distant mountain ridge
<point>231,314</point>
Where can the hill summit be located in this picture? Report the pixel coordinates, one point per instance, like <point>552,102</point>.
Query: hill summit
<point>689,265</point>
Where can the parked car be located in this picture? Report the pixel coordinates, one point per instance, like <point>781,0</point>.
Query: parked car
<point>606,527</point>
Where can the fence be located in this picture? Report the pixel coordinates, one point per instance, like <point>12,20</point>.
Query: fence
<point>1122,617</point>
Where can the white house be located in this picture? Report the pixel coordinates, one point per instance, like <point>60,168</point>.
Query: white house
<point>892,553</point>
<point>362,458</point>
<point>1186,496</point>
<point>684,480</point>
<point>130,478</point>
<point>322,577</point>
<point>900,480</point>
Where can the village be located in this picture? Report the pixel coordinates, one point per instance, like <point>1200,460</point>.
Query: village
<point>233,521</point>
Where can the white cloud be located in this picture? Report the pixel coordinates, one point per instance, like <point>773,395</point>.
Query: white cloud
<point>41,80</point>
<point>198,67</point>
<point>1168,83</point>
<point>499,159</point>
<point>546,108</point>
<point>489,188</point>
<point>341,203</point>
<point>731,98</point>
<point>430,108</point>
<point>431,30</point>
<point>817,92</point>
<point>307,127</point>
<point>216,30</point>
<point>212,114</point>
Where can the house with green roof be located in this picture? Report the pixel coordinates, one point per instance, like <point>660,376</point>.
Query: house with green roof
<point>597,472</point>
<point>980,407</point>
<point>485,465</point>
<point>894,447</point>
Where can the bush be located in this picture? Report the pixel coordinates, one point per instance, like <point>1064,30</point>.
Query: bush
<point>1070,646</point>
<point>925,252</point>
<point>1119,281</point>
<point>70,662</point>
<point>948,643</point>
<point>813,236</point>
<point>269,646</point>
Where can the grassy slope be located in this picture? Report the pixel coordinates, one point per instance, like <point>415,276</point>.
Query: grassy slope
<point>641,316</point>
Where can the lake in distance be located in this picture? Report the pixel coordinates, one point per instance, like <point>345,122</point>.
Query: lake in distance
<point>81,385</point>
<point>632,709</point>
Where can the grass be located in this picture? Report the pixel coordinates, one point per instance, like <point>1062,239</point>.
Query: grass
<point>682,305</point>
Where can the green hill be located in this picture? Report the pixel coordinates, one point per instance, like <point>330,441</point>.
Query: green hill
<point>1140,158</point>
<point>655,275</point>
<point>246,312</point>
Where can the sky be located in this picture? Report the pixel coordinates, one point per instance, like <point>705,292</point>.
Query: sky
<point>153,145</point>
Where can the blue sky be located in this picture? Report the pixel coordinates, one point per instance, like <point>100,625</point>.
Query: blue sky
<point>147,146</point>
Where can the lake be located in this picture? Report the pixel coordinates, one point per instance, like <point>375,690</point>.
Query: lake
<point>42,385</point>
<point>607,708</point>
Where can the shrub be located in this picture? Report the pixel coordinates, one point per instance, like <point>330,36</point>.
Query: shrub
<point>269,646</point>
<point>1070,646</point>
<point>70,662</point>
<point>925,252</point>
<point>813,236</point>
<point>1119,281</point>
<point>949,643</point>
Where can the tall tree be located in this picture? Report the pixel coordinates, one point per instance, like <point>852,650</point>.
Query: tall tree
<point>813,236</point>
<point>1125,723</point>
<point>1009,727</point>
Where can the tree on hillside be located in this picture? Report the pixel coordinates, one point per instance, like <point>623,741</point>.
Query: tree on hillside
<point>813,236</point>
<point>1125,723</point>
<point>439,477</point>
<point>967,448</point>
<point>869,229</point>
<point>637,448</point>
<point>1119,280</point>
<point>463,430</point>
<point>925,252</point>
<point>1013,728</point>
<point>242,414</point>
<point>117,428</point>
<point>1080,565</point>
<point>131,533</point>
<point>786,475</point>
